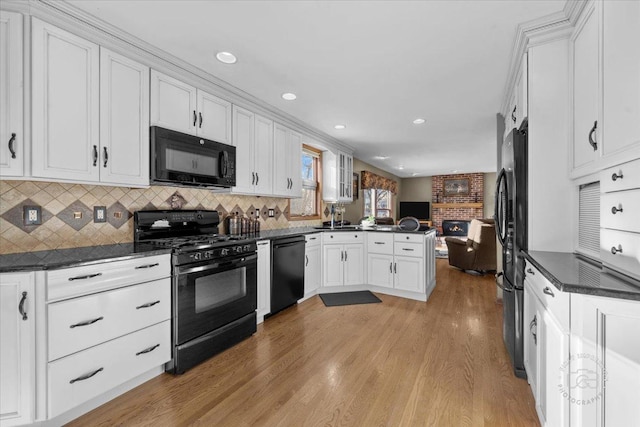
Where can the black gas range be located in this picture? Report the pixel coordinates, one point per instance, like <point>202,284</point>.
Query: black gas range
<point>214,282</point>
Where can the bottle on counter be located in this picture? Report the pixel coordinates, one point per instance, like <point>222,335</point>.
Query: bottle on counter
<point>233,224</point>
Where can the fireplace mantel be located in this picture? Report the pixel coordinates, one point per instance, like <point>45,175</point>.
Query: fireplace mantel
<point>457,205</point>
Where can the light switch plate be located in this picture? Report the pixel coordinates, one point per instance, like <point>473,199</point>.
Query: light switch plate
<point>32,215</point>
<point>99,214</point>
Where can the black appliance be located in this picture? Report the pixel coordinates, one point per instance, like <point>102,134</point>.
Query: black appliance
<point>178,158</point>
<point>419,210</point>
<point>287,272</point>
<point>214,284</point>
<point>511,228</point>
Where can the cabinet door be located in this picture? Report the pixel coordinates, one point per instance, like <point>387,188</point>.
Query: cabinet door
<point>173,104</point>
<point>332,265</point>
<point>311,269</point>
<point>214,118</point>
<point>380,270</point>
<point>17,352</point>
<point>585,89</point>
<point>621,68</point>
<point>263,153</point>
<point>65,99</point>
<point>295,164</point>
<point>243,134</point>
<point>124,120</point>
<point>264,278</point>
<point>11,119</point>
<point>409,273</point>
<point>281,182</point>
<point>354,264</point>
<point>531,319</point>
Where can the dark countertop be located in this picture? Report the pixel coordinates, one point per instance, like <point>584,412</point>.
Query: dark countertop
<point>62,258</point>
<point>284,232</point>
<point>573,273</point>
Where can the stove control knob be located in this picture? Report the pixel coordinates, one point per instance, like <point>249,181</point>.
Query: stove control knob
<point>197,256</point>
<point>246,248</point>
<point>224,252</point>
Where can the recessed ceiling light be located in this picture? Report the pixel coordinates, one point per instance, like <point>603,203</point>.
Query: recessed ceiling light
<point>381,157</point>
<point>340,126</point>
<point>400,167</point>
<point>418,121</point>
<point>226,57</point>
<point>289,96</point>
<point>455,171</point>
<point>414,174</point>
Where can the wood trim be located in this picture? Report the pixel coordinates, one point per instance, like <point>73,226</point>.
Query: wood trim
<point>457,205</point>
<point>318,189</point>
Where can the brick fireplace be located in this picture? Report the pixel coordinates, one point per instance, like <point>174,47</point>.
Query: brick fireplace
<point>465,206</point>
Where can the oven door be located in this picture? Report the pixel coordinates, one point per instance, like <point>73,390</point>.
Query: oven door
<point>212,294</point>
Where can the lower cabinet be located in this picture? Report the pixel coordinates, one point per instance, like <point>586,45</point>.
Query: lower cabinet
<point>396,261</point>
<point>312,264</point>
<point>17,349</point>
<point>264,279</point>
<point>343,259</point>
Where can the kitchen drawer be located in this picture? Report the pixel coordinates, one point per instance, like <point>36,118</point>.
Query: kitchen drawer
<point>76,281</point>
<point>413,238</point>
<point>312,239</point>
<point>555,301</point>
<point>409,249</point>
<point>627,260</point>
<point>343,237</point>
<point>116,313</point>
<point>630,177</point>
<point>620,210</point>
<point>70,382</point>
<point>380,243</point>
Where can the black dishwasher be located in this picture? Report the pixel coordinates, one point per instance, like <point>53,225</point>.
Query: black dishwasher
<point>287,272</point>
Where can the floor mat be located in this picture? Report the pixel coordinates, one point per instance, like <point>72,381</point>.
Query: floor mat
<point>348,298</point>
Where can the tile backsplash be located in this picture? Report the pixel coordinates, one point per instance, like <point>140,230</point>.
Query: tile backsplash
<point>67,212</point>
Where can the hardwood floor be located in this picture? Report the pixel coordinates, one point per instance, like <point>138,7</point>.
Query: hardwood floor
<point>399,363</point>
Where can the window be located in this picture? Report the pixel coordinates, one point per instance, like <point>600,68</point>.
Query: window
<point>377,203</point>
<point>308,206</point>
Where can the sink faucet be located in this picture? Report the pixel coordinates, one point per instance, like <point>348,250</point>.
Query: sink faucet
<point>333,215</point>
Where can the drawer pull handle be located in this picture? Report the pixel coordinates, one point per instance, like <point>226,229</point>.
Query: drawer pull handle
<point>21,306</point>
<point>379,243</point>
<point>615,176</point>
<point>615,250</point>
<point>147,350</point>
<point>147,305</point>
<point>548,291</point>
<point>530,271</point>
<point>390,267</point>
<point>148,265</point>
<point>312,238</point>
<point>86,377</point>
<point>88,276</point>
<point>615,209</point>
<point>87,323</point>
<point>306,264</point>
<point>407,249</point>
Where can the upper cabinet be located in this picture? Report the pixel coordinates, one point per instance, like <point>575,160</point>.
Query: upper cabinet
<point>605,101</point>
<point>11,120</point>
<point>337,171</point>
<point>178,106</point>
<point>287,162</point>
<point>518,108</point>
<point>90,115</point>
<point>253,138</point>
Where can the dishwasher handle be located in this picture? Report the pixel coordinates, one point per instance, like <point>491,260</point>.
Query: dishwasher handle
<point>286,245</point>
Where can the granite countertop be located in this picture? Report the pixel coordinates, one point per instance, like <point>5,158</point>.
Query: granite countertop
<point>573,273</point>
<point>284,232</point>
<point>62,258</point>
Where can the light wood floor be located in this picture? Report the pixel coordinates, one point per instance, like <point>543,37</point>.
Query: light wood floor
<point>399,363</point>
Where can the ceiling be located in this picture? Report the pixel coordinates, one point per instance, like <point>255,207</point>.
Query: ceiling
<point>374,66</point>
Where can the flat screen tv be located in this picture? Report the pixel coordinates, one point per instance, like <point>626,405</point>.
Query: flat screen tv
<point>419,210</point>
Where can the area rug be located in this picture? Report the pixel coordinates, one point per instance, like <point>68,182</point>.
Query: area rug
<point>348,298</point>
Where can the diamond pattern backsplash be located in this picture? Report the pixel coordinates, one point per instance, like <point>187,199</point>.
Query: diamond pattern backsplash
<point>67,212</point>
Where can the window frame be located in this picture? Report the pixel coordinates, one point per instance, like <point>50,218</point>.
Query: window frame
<point>373,193</point>
<point>318,166</point>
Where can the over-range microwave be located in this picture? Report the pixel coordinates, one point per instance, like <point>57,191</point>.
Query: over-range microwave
<point>181,159</point>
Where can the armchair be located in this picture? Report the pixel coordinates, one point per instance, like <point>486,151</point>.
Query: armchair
<point>478,252</point>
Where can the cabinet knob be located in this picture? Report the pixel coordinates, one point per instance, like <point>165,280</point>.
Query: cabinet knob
<point>615,209</point>
<point>548,291</point>
<point>615,176</point>
<point>513,113</point>
<point>615,250</point>
<point>407,237</point>
<point>530,271</point>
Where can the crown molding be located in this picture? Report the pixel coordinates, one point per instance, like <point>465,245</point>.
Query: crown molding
<point>85,25</point>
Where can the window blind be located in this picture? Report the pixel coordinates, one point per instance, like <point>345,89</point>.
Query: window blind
<point>589,219</point>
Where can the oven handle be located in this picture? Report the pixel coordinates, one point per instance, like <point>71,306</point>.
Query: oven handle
<point>235,261</point>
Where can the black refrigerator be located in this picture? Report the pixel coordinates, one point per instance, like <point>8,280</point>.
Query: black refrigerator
<point>511,228</point>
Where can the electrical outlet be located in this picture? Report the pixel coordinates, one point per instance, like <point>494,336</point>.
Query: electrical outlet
<point>99,214</point>
<point>257,213</point>
<point>32,215</point>
<point>271,213</point>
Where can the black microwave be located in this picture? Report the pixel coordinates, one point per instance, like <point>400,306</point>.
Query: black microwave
<point>181,159</point>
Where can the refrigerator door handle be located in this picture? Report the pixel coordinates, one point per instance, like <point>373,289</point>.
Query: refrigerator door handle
<point>500,211</point>
<point>498,282</point>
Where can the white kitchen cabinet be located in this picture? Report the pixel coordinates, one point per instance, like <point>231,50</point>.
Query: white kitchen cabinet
<point>605,371</point>
<point>287,162</point>
<point>409,273</point>
<point>337,172</point>
<point>532,315</point>
<point>66,100</point>
<point>124,120</point>
<point>518,107</point>
<point>380,270</point>
<point>17,349</point>
<point>11,77</point>
<point>585,74</point>
<point>312,264</point>
<point>253,138</point>
<point>181,107</point>
<point>264,279</point>
<point>343,259</point>
<point>396,260</point>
